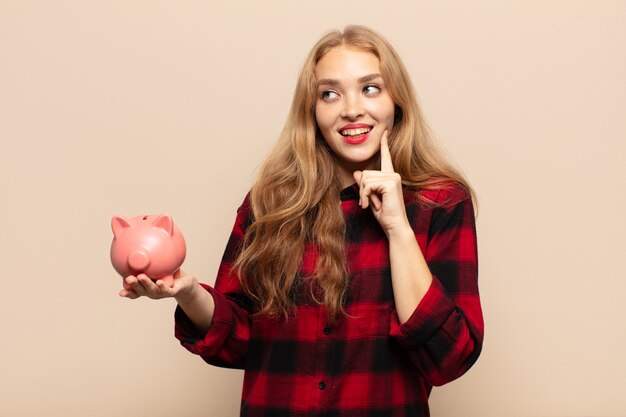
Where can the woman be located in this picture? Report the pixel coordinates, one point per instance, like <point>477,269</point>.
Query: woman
<point>349,284</point>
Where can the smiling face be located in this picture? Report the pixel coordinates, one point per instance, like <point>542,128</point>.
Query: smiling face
<point>353,108</point>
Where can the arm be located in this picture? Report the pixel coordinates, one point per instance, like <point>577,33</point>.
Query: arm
<point>223,340</point>
<point>199,306</point>
<point>211,322</point>
<point>410,274</point>
<point>444,333</point>
<point>197,303</point>
<point>438,318</point>
<point>382,191</point>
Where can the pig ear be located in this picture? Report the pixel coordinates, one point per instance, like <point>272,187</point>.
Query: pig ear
<point>119,223</point>
<point>165,222</point>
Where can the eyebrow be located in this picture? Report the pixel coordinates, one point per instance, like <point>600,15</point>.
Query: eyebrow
<point>364,79</point>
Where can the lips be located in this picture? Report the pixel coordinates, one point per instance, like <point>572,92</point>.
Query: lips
<point>354,134</point>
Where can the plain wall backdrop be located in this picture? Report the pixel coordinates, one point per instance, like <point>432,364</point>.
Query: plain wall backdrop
<point>131,107</point>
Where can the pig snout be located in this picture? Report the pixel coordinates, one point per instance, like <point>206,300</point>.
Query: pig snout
<point>139,259</point>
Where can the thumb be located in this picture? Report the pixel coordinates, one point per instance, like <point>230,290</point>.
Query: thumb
<point>357,176</point>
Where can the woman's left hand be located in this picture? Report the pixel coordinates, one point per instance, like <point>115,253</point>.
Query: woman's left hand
<point>382,191</point>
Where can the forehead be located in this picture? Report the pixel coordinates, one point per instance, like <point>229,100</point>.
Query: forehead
<point>344,63</point>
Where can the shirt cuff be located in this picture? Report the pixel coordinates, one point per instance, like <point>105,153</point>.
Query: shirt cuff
<point>429,316</point>
<point>197,341</point>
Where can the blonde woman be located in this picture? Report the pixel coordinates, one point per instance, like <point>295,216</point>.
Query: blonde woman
<point>349,284</point>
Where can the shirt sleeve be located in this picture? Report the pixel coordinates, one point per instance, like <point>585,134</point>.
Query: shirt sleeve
<point>225,344</point>
<point>444,334</point>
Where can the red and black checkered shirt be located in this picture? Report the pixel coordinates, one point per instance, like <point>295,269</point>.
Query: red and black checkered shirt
<point>366,364</point>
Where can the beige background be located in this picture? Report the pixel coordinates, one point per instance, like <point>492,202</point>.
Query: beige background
<point>128,107</point>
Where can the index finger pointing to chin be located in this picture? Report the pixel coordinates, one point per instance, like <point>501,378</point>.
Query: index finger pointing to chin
<point>386,165</point>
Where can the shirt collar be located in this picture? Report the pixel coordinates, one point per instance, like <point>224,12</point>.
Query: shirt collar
<point>350,193</point>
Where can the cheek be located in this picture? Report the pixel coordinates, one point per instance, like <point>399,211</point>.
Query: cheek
<point>385,109</point>
<point>323,118</point>
<point>388,114</point>
<point>392,116</point>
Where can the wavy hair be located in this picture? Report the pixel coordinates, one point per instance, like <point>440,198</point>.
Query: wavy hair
<point>295,198</point>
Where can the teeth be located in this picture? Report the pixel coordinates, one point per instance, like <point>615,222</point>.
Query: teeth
<point>354,132</point>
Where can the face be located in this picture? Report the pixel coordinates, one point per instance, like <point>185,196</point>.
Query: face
<point>353,108</point>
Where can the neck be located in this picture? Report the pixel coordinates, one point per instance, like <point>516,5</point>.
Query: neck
<point>346,178</point>
<point>346,169</point>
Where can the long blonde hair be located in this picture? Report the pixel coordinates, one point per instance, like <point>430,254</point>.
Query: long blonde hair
<point>295,199</point>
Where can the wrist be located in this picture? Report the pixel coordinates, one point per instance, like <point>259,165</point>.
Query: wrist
<point>189,294</point>
<point>400,232</point>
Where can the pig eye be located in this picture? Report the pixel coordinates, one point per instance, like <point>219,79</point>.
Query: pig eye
<point>145,217</point>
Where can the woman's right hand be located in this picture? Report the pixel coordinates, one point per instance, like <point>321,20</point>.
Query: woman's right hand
<point>142,286</point>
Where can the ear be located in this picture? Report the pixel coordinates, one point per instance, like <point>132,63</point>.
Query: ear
<point>118,224</point>
<point>165,222</point>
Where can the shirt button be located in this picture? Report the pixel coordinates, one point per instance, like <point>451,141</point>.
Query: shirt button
<point>321,385</point>
<point>326,331</point>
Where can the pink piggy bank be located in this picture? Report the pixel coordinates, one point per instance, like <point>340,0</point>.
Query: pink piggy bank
<point>147,244</point>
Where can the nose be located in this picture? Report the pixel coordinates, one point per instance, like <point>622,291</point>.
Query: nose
<point>352,107</point>
<point>139,259</point>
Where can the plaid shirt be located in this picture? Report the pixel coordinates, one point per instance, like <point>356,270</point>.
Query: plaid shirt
<point>366,364</point>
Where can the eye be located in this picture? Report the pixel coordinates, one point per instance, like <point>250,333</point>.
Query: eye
<point>328,95</point>
<point>371,90</point>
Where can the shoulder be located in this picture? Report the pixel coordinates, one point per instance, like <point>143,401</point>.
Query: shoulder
<point>245,204</point>
<point>244,214</point>
<point>442,193</point>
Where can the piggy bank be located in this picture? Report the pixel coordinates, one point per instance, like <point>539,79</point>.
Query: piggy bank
<point>147,244</point>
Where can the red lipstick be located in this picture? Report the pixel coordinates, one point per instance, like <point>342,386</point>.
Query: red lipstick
<point>355,133</point>
<point>356,126</point>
